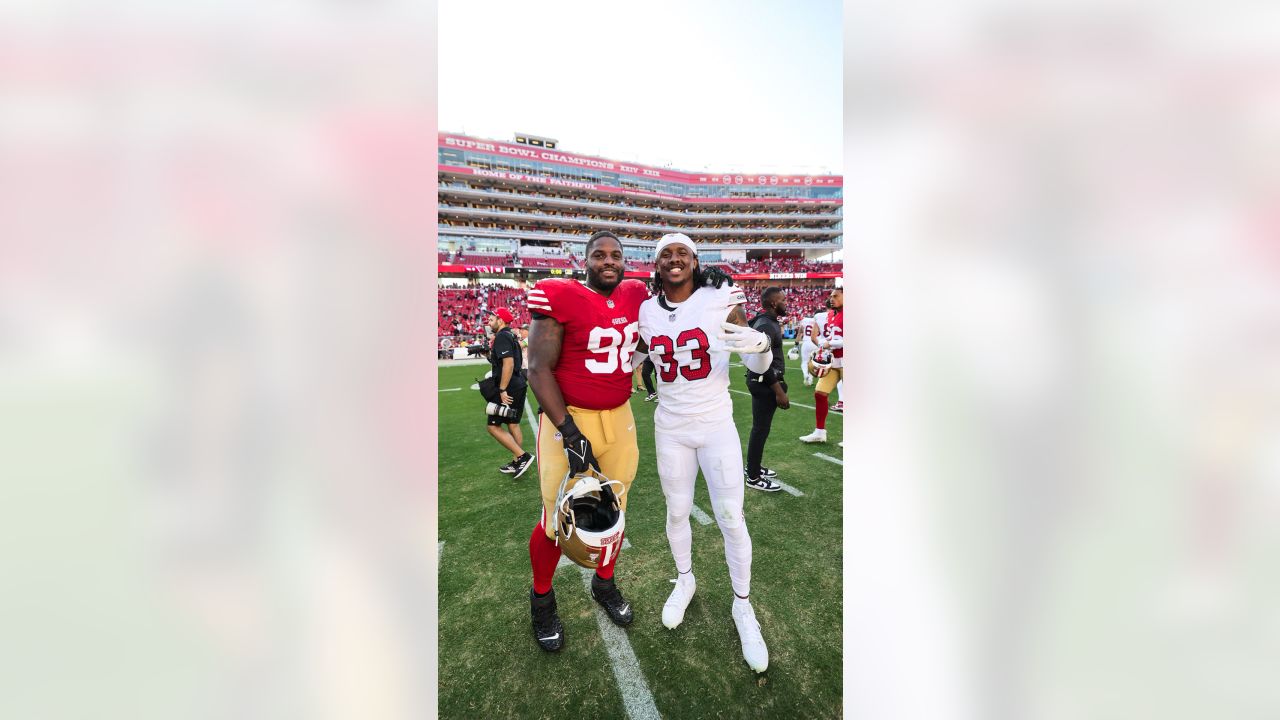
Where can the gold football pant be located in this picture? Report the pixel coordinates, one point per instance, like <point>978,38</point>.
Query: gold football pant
<point>612,434</point>
<point>827,383</point>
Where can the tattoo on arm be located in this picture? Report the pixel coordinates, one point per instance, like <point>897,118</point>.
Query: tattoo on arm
<point>737,315</point>
<point>546,338</point>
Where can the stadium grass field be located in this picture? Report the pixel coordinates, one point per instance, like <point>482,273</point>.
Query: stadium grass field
<point>491,667</point>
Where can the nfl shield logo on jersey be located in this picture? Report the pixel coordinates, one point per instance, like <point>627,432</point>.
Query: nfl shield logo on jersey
<point>672,316</point>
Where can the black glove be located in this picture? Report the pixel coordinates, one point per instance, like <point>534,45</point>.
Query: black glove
<point>715,277</point>
<point>577,447</point>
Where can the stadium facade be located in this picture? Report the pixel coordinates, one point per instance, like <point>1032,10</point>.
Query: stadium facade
<point>516,208</point>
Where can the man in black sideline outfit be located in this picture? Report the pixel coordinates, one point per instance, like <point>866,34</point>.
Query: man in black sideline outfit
<point>768,390</point>
<point>507,362</point>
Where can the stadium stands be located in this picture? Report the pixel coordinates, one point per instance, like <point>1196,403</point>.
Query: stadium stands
<point>529,216</point>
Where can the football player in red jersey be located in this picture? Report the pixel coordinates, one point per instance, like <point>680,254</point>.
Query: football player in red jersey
<point>831,371</point>
<point>581,341</point>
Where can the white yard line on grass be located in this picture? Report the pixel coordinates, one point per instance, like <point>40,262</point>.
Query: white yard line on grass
<point>636,698</point>
<point>449,389</point>
<point>834,413</point>
<point>828,458</point>
<point>788,489</point>
<point>439,553</point>
<point>700,516</point>
<point>528,415</point>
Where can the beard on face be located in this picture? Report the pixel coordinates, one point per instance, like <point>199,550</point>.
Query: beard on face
<point>594,279</point>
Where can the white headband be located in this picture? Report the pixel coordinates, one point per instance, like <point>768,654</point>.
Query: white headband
<point>675,239</point>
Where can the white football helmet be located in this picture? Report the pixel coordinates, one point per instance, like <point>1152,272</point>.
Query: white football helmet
<point>589,518</point>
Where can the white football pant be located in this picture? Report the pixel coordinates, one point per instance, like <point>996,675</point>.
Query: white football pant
<point>716,448</point>
<point>806,350</point>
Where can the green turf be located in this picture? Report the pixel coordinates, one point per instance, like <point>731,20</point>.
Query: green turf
<point>490,665</point>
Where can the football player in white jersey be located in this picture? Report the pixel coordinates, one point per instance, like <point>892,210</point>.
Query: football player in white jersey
<point>689,331</point>
<point>807,346</point>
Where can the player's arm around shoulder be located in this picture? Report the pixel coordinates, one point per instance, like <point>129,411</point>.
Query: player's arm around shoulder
<point>546,339</point>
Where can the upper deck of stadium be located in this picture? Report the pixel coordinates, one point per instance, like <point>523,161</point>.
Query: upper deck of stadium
<point>492,190</point>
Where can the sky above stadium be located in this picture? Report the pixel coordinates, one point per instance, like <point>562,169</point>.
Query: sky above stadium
<point>715,85</point>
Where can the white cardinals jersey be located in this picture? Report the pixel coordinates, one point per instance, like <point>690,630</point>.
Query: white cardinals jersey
<point>691,361</point>
<point>805,326</point>
<point>819,324</point>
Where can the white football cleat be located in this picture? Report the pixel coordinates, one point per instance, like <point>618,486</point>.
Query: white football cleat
<point>673,610</point>
<point>816,436</point>
<point>754,650</point>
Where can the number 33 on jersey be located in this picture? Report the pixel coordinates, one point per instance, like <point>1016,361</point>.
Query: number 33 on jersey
<point>600,337</point>
<point>684,343</point>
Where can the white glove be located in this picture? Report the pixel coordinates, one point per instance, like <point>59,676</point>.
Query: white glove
<point>743,340</point>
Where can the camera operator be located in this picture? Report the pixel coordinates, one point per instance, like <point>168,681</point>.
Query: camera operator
<point>506,411</point>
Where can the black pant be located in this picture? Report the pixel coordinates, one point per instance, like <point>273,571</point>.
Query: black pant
<point>646,373</point>
<point>764,402</point>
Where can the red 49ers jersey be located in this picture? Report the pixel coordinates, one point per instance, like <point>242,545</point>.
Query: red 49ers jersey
<point>835,329</point>
<point>600,336</point>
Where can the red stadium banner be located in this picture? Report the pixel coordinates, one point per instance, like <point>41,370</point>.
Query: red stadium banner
<point>526,152</point>
<point>471,268</point>
<point>500,269</point>
<point>521,177</point>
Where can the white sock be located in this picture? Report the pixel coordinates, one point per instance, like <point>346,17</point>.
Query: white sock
<point>743,603</point>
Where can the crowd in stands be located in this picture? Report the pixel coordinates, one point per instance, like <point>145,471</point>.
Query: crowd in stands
<point>571,262</point>
<point>463,311</point>
<point>802,301</point>
<point>784,265</point>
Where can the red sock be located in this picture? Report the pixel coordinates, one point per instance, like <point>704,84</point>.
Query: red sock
<point>606,571</point>
<point>544,553</point>
<point>820,402</point>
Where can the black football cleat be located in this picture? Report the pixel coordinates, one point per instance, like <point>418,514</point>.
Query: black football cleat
<point>606,593</point>
<point>519,466</point>
<point>547,629</point>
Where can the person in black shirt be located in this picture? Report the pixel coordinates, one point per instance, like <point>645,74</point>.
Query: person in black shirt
<point>646,374</point>
<point>768,390</point>
<point>508,363</point>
